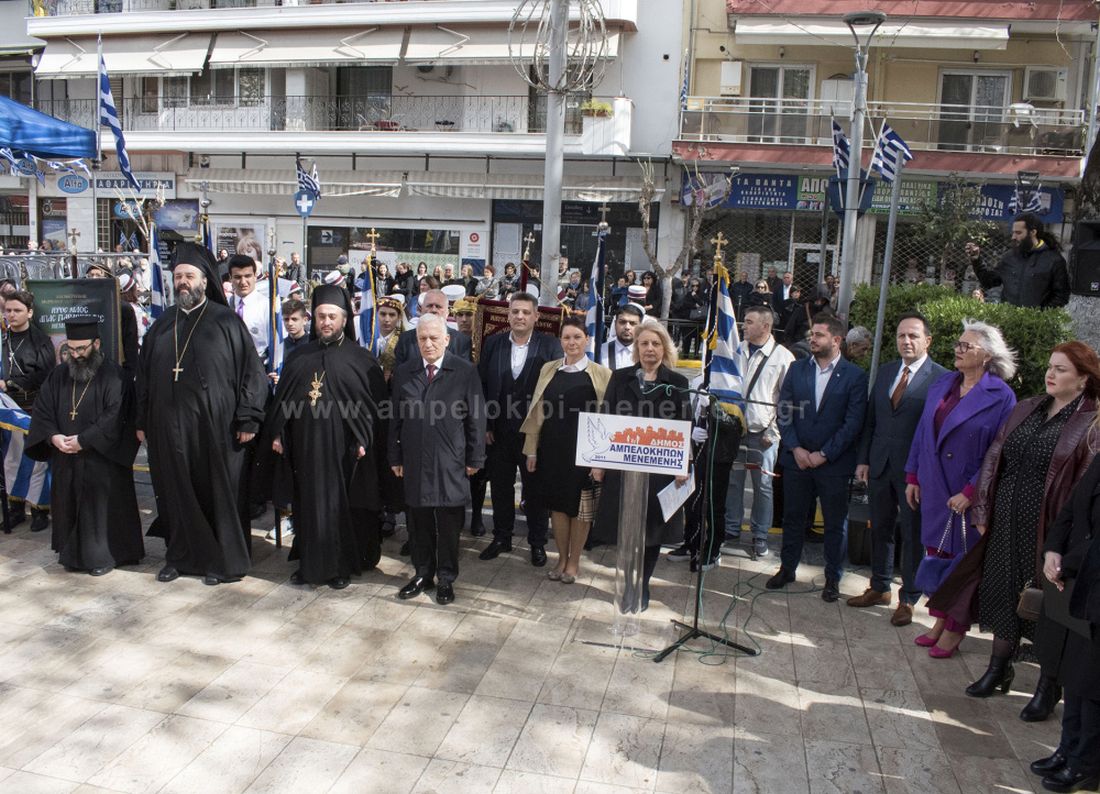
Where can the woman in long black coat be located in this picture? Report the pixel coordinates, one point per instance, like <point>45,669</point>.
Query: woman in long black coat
<point>651,389</point>
<point>1071,564</point>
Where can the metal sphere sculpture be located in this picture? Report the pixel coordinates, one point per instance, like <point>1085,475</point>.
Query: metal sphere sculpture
<point>529,36</point>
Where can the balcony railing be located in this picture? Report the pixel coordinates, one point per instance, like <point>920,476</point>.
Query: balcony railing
<point>1017,129</point>
<point>74,7</point>
<point>480,114</point>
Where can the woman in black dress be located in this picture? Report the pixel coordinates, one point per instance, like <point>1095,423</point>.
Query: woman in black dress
<point>651,388</point>
<point>566,386</point>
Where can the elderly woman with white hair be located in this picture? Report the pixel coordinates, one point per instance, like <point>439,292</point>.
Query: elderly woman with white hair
<point>962,414</point>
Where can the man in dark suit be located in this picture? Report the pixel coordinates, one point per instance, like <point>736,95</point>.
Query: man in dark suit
<point>435,302</point>
<point>436,441</point>
<point>782,292</point>
<point>821,407</point>
<point>510,365</point>
<point>895,407</point>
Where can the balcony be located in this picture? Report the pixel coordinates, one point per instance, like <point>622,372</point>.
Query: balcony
<point>369,114</point>
<point>76,7</point>
<point>1019,129</point>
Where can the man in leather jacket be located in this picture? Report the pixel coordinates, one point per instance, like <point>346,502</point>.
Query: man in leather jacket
<point>1033,273</point>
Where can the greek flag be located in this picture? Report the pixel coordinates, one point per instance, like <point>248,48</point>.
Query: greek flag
<point>594,316</point>
<point>891,152</point>
<point>841,150</point>
<point>684,87</point>
<point>108,117</point>
<point>368,314</point>
<point>310,183</point>
<point>26,479</point>
<point>1033,202</point>
<point>723,373</point>
<point>156,277</point>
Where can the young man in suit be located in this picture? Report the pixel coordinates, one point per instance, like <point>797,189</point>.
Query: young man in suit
<point>510,365</point>
<point>895,407</point>
<point>822,404</point>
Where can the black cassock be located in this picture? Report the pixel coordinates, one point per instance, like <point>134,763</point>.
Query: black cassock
<point>95,513</point>
<point>334,493</point>
<point>28,358</point>
<point>190,424</point>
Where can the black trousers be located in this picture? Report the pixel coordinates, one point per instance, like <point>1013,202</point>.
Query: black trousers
<point>889,508</point>
<point>706,518</point>
<point>477,496</point>
<point>433,541</point>
<point>1081,733</point>
<point>649,565</point>
<point>504,456</point>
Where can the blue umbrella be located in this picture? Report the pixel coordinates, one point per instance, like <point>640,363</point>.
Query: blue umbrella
<point>25,129</point>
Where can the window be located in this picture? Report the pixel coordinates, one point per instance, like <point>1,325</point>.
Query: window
<point>779,102</point>
<point>972,108</point>
<point>363,96</point>
<point>213,87</point>
<point>536,108</point>
<point>150,94</point>
<point>16,85</point>
<point>175,92</point>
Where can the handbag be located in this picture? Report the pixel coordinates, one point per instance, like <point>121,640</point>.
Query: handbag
<point>1030,605</point>
<point>698,313</point>
<point>934,569</point>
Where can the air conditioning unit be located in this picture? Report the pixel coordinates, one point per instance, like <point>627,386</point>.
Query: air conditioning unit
<point>442,72</point>
<point>730,78</point>
<point>1045,84</point>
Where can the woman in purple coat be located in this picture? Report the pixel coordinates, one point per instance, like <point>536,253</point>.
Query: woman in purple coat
<point>962,414</point>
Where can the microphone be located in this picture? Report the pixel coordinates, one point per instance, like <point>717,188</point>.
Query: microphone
<point>641,379</point>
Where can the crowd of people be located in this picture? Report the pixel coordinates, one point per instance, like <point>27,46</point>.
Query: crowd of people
<point>987,496</point>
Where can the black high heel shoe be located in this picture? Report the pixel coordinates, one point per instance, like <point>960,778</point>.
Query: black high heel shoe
<point>1042,703</point>
<point>999,675</point>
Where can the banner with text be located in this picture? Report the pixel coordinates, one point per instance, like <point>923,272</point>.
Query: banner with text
<point>633,443</point>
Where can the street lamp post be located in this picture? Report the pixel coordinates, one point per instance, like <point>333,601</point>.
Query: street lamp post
<point>860,19</point>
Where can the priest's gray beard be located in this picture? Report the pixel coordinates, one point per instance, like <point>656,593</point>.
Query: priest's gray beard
<point>189,300</point>
<point>332,339</point>
<point>83,370</point>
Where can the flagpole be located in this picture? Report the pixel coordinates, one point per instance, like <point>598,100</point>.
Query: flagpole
<point>887,258</point>
<point>273,301</point>
<point>601,233</point>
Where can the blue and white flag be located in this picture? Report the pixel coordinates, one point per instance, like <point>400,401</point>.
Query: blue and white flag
<point>724,374</point>
<point>368,310</point>
<point>1026,200</point>
<point>108,117</point>
<point>157,300</point>
<point>891,153</point>
<point>842,150</point>
<point>26,479</point>
<point>685,85</point>
<point>310,183</point>
<point>594,316</point>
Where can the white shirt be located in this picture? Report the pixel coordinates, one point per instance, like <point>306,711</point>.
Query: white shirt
<point>760,414</point>
<point>519,354</point>
<point>256,318</point>
<point>913,368</point>
<point>437,364</point>
<point>623,356</point>
<point>579,366</point>
<point>821,378</point>
<point>786,293</point>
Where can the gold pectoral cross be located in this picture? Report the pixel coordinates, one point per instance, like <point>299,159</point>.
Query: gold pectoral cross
<point>72,413</point>
<point>177,370</point>
<point>315,392</point>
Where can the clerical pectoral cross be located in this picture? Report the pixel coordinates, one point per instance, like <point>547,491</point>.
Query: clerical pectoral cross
<point>176,370</point>
<point>315,392</point>
<point>72,414</point>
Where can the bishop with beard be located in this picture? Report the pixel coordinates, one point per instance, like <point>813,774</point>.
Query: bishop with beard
<point>200,400</point>
<point>325,423</point>
<point>82,424</point>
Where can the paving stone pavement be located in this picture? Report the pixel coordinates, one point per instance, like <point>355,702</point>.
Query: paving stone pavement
<point>123,684</point>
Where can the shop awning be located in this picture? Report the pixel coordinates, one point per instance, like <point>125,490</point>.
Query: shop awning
<point>25,129</point>
<point>833,32</point>
<point>442,184</point>
<point>320,47</point>
<point>461,45</point>
<point>181,54</point>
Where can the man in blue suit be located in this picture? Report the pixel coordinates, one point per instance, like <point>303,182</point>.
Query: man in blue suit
<point>895,407</point>
<point>821,407</point>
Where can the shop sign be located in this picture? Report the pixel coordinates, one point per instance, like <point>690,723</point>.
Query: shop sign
<point>72,183</point>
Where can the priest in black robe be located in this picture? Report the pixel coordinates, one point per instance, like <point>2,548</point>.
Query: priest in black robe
<point>28,357</point>
<point>200,400</point>
<point>325,423</point>
<point>82,425</point>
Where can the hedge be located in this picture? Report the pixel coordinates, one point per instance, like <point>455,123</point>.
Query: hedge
<point>1032,333</point>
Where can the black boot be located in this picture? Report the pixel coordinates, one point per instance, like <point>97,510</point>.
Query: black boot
<point>40,519</point>
<point>998,676</point>
<point>1042,703</point>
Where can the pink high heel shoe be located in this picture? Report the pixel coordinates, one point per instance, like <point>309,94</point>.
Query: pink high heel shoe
<point>925,641</point>
<point>936,652</point>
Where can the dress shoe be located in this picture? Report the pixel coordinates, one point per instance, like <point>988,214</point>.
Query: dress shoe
<point>781,579</point>
<point>211,579</point>
<point>1049,765</point>
<point>339,583</point>
<point>538,556</point>
<point>998,675</point>
<point>903,615</point>
<point>830,592</point>
<point>16,516</point>
<point>870,598</point>
<point>1069,779</point>
<point>445,594</point>
<point>681,553</point>
<point>1042,703</point>
<point>297,578</point>
<point>416,586</point>
<point>167,574</point>
<point>477,529</point>
<point>101,571</point>
<point>496,548</point>
<point>40,519</point>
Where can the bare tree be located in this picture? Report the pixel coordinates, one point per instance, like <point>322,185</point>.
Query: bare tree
<point>702,201</point>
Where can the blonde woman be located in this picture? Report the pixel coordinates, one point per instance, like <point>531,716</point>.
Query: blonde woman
<point>566,386</point>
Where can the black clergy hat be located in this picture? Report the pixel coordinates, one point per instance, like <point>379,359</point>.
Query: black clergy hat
<point>80,329</point>
<point>199,256</point>
<point>333,295</point>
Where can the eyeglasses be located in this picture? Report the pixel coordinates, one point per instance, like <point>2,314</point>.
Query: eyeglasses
<point>966,347</point>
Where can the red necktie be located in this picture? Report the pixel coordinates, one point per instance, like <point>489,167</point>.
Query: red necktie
<point>899,390</point>
<point>431,372</point>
